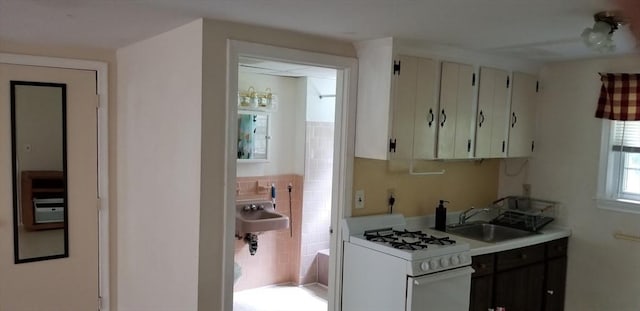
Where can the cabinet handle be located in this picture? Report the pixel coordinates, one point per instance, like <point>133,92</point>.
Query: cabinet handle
<point>483,266</point>
<point>481,119</point>
<point>432,117</point>
<point>444,118</point>
<point>550,292</point>
<point>503,146</point>
<point>523,256</point>
<point>514,119</point>
<point>469,145</point>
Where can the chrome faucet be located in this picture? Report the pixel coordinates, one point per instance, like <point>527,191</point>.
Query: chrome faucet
<point>464,216</point>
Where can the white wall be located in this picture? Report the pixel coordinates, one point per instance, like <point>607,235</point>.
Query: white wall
<point>603,272</point>
<point>321,110</point>
<point>158,155</point>
<point>285,155</point>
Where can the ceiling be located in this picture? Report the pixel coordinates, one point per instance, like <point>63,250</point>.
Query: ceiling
<point>532,29</point>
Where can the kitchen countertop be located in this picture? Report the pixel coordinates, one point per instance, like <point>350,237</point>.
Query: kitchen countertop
<point>546,234</point>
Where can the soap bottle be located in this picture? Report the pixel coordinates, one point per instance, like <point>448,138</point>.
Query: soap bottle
<point>441,216</point>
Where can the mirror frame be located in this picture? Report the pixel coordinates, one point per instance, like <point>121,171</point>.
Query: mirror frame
<point>15,173</point>
<point>267,138</point>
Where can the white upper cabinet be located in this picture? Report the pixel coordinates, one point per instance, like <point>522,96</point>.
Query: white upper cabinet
<point>416,91</point>
<point>523,115</point>
<point>456,120</point>
<point>392,96</point>
<point>492,119</point>
<point>373,114</point>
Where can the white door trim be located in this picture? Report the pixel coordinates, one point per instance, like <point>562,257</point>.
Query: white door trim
<point>344,150</point>
<point>102,83</point>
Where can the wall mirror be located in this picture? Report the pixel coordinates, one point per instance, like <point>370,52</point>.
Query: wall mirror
<point>253,136</point>
<point>38,127</point>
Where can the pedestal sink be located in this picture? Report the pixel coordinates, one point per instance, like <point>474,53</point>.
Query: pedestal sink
<point>258,216</point>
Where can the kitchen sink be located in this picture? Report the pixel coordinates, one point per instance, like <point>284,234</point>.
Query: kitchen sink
<point>487,232</point>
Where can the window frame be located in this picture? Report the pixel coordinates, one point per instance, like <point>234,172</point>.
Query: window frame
<point>610,179</point>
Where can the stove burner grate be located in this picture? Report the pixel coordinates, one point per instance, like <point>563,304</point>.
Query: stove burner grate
<point>410,234</point>
<point>402,244</point>
<point>380,235</point>
<point>435,240</point>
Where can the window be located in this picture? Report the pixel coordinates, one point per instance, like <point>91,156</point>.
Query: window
<point>619,187</point>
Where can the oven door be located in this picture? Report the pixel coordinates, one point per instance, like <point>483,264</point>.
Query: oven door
<point>442,291</point>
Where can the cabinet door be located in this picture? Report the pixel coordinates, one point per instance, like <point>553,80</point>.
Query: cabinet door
<point>426,112</point>
<point>481,293</point>
<point>555,284</point>
<point>520,289</point>
<point>404,104</point>
<point>523,114</point>
<point>456,111</point>
<point>493,111</point>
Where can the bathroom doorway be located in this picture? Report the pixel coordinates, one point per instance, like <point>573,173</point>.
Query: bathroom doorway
<point>301,102</point>
<point>286,121</point>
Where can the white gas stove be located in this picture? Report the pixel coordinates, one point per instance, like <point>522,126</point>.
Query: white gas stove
<point>387,267</point>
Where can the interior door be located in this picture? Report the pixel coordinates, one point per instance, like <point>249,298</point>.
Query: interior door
<point>69,283</point>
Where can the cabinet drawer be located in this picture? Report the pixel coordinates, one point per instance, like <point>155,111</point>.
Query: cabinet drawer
<point>482,264</point>
<point>520,257</point>
<point>557,248</point>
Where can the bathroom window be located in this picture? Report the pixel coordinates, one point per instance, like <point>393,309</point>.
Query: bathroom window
<point>619,184</point>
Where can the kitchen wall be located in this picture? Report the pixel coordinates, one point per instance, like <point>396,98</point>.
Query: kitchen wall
<point>286,149</point>
<point>109,57</point>
<point>603,272</point>
<point>159,145</point>
<point>464,183</point>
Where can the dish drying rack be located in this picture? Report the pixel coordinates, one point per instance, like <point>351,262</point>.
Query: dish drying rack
<point>524,213</point>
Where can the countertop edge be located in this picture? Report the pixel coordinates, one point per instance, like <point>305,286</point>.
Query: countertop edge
<point>482,248</point>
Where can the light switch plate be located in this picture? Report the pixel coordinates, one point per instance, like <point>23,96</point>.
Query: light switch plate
<point>359,198</point>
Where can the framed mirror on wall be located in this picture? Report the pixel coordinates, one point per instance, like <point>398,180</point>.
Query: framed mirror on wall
<point>39,157</point>
<point>253,136</point>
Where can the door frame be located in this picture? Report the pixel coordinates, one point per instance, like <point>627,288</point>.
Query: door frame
<point>344,150</point>
<point>102,90</point>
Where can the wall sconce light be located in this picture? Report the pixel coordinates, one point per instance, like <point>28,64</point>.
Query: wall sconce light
<point>600,36</point>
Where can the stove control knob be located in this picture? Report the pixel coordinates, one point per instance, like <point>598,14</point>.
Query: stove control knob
<point>424,266</point>
<point>463,258</point>
<point>434,264</point>
<point>444,262</point>
<point>455,260</point>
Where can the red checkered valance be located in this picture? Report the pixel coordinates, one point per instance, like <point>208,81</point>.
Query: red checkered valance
<point>619,97</point>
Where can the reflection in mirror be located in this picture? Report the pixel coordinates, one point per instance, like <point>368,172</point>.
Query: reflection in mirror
<point>253,136</point>
<point>38,126</point>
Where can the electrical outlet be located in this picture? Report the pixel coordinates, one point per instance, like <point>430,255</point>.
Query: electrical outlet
<point>359,199</point>
<point>526,190</point>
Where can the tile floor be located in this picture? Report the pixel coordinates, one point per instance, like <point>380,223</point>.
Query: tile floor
<point>282,298</point>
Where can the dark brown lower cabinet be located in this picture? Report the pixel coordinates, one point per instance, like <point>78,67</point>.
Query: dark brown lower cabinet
<point>555,284</point>
<point>481,293</point>
<point>520,289</point>
<point>530,278</point>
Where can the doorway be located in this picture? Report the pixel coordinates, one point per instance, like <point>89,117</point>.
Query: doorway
<point>286,125</point>
<point>340,166</point>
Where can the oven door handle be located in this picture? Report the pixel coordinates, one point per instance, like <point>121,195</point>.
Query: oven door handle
<point>443,275</point>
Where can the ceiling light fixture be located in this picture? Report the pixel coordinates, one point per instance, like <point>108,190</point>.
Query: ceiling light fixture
<point>600,36</point>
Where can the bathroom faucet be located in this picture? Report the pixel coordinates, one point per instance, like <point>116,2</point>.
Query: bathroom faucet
<point>464,216</point>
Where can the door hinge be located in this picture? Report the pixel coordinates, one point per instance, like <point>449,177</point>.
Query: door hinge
<point>392,145</point>
<point>100,306</point>
<point>507,81</point>
<point>97,101</point>
<point>473,79</point>
<point>533,145</point>
<point>99,203</point>
<point>469,145</point>
<point>537,86</point>
<point>396,67</point>
<point>503,146</point>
